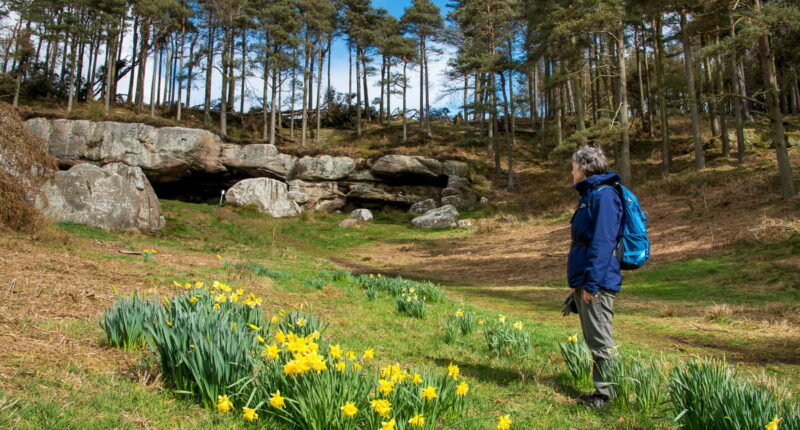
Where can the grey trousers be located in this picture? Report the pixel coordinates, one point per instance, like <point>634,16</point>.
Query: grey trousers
<point>596,324</point>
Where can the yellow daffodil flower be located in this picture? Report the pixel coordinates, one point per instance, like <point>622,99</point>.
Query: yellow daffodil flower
<point>271,351</point>
<point>224,404</point>
<point>277,401</point>
<point>503,422</point>
<point>573,339</point>
<point>462,389</point>
<point>502,319</point>
<point>417,420</point>
<point>351,355</point>
<point>216,306</point>
<point>453,370</point>
<point>381,407</point>
<point>416,379</point>
<point>249,414</point>
<point>387,425</point>
<point>481,322</point>
<point>518,325</point>
<point>459,313</point>
<point>385,387</point>
<point>341,366</point>
<point>429,393</point>
<point>253,326</point>
<point>349,409</point>
<point>369,354</point>
<point>773,425</point>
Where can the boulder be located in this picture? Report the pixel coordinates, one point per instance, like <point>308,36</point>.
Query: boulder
<point>317,196</point>
<point>115,197</point>
<point>459,193</point>
<point>361,214</point>
<point>324,168</point>
<point>269,195</point>
<point>406,166</point>
<point>381,193</point>
<point>165,154</point>
<point>455,168</point>
<point>258,160</point>
<point>348,223</point>
<point>439,218</point>
<point>484,201</point>
<point>465,223</point>
<point>423,206</point>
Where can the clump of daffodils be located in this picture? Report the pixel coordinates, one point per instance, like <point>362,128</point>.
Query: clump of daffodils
<point>506,339</point>
<point>148,254</point>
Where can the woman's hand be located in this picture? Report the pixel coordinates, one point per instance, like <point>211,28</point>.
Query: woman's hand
<point>587,297</point>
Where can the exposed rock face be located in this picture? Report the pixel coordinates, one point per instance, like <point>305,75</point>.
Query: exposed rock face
<point>361,214</point>
<point>405,166</point>
<point>324,168</point>
<point>324,196</point>
<point>439,218</point>
<point>195,165</point>
<point>382,193</point>
<point>114,197</point>
<point>269,195</point>
<point>259,159</point>
<point>165,154</point>
<point>423,206</point>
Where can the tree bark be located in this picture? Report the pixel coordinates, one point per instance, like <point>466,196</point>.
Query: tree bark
<point>625,149</point>
<point>688,65</point>
<point>319,93</point>
<point>767,57</point>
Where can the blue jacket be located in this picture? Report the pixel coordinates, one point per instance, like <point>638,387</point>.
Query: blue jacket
<point>591,262</point>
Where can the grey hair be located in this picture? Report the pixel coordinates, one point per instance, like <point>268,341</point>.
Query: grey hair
<point>590,160</point>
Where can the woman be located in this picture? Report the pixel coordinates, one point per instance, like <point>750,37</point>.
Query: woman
<point>593,269</point>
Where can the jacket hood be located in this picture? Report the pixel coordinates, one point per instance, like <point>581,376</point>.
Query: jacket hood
<point>608,178</point>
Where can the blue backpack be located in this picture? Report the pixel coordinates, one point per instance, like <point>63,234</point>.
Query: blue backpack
<point>633,248</point>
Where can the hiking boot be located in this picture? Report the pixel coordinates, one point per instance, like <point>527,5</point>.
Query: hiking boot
<point>595,400</point>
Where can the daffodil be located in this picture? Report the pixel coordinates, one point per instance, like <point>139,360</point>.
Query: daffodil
<point>773,425</point>
<point>351,355</point>
<point>417,420</point>
<point>429,393</point>
<point>275,319</point>
<point>387,425</point>
<point>349,409</point>
<point>502,319</point>
<point>481,322</point>
<point>253,327</point>
<point>462,389</point>
<point>356,366</point>
<point>335,351</point>
<point>416,379</point>
<point>503,422</point>
<point>518,325</point>
<point>381,407</point>
<point>216,306</point>
<point>459,313</point>
<point>301,322</point>
<point>260,339</point>
<point>573,339</point>
<point>224,404</point>
<point>369,354</point>
<point>453,370</point>
<point>192,299</point>
<point>341,366</point>
<point>385,387</point>
<point>277,401</point>
<point>249,414</point>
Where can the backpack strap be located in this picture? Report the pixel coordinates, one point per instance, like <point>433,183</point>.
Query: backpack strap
<point>618,187</point>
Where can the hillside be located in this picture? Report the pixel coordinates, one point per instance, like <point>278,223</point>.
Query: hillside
<point>723,282</point>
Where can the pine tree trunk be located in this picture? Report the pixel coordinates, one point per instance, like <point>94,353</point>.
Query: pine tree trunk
<point>723,122</point>
<point>368,113</point>
<point>244,69</point>
<point>666,150</point>
<point>421,89</point>
<point>178,74</point>
<point>273,121</point>
<point>382,83</point>
<point>306,83</point>
<point>319,94</point>
<point>625,149</point>
<point>767,57</point>
<point>71,92</point>
<point>688,65</point>
<point>133,68</point>
<point>350,76</point>
<point>209,72</point>
<point>738,102</point>
<point>405,86</point>
<point>642,103</point>
<point>144,41</point>
<point>508,131</point>
<point>223,104</point>
<point>358,92</point>
<point>111,51</point>
<point>153,79</point>
<point>265,117</point>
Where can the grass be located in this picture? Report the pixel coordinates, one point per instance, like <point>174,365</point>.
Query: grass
<point>108,389</point>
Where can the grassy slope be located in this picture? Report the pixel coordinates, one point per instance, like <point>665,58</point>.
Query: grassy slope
<point>112,389</point>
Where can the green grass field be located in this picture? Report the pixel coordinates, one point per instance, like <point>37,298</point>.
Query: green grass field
<point>664,310</point>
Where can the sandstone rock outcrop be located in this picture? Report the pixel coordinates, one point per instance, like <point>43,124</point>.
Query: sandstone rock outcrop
<point>407,166</point>
<point>115,197</point>
<point>324,168</point>
<point>361,214</point>
<point>423,206</point>
<point>324,196</point>
<point>439,218</point>
<point>269,195</point>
